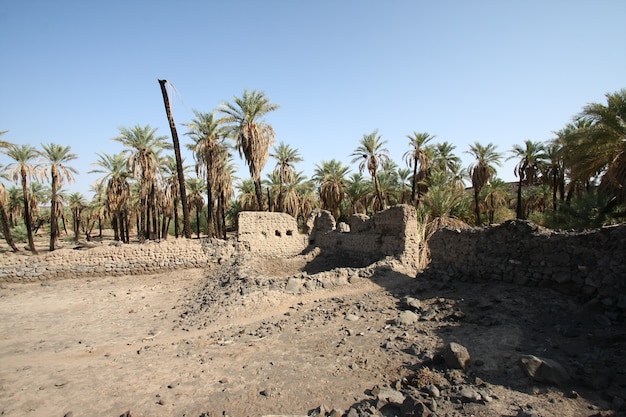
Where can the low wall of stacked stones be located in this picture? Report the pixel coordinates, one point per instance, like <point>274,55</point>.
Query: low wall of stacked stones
<point>109,260</point>
<point>590,264</point>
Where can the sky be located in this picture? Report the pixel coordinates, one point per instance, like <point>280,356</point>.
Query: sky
<point>501,72</point>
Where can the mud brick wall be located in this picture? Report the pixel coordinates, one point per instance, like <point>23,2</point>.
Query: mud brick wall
<point>590,264</point>
<point>392,232</point>
<point>270,234</point>
<point>108,260</point>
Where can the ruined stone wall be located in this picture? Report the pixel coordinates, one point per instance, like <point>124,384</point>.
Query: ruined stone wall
<point>107,260</point>
<point>270,234</point>
<point>392,232</point>
<point>591,265</point>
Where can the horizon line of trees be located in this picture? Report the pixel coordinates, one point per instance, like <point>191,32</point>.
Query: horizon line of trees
<point>576,179</point>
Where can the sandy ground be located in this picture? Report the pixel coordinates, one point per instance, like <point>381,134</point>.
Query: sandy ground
<point>198,343</point>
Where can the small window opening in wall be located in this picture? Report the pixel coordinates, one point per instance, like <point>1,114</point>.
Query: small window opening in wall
<point>289,232</point>
<point>277,233</point>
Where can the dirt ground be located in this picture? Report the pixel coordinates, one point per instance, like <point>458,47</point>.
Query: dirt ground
<point>283,337</point>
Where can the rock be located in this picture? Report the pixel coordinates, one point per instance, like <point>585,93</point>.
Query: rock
<point>527,412</point>
<point>389,395</point>
<point>468,394</point>
<point>351,317</point>
<point>430,314</point>
<point>433,391</point>
<point>456,356</point>
<point>268,392</point>
<point>412,302</point>
<point>406,318</point>
<point>543,370</point>
<point>413,407</point>
<point>293,285</point>
<point>336,412</point>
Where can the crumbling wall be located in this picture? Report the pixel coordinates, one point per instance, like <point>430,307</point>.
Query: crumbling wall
<point>392,232</point>
<point>589,264</point>
<point>109,260</point>
<point>270,234</point>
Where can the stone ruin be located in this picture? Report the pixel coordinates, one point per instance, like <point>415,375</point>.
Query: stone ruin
<point>270,234</point>
<point>392,232</point>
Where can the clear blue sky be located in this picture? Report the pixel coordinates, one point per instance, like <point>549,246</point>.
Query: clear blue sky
<point>465,71</point>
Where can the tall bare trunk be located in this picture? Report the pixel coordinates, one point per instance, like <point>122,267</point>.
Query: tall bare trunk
<point>179,163</point>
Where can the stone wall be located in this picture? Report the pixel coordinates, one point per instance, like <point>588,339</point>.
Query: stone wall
<point>107,260</point>
<point>392,232</point>
<point>591,265</point>
<point>270,234</point>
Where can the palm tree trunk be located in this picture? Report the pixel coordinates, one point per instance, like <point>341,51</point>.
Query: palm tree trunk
<point>554,187</point>
<point>76,224</point>
<point>378,193</point>
<point>476,206</point>
<point>222,211</point>
<point>259,194</point>
<point>176,228</point>
<point>116,235</point>
<point>519,212</point>
<point>179,163</point>
<point>414,182</point>
<point>6,230</point>
<point>54,222</point>
<point>198,222</point>
<point>209,209</point>
<point>27,219</point>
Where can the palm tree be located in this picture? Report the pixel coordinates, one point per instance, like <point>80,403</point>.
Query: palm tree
<point>98,204</point>
<point>371,155</point>
<point>117,190</point>
<point>444,158</point>
<point>496,195</point>
<point>253,136</point>
<point>307,197</point>
<point>179,160</point>
<point>247,197</point>
<point>57,157</point>
<point>4,221</point>
<point>553,174</point>
<point>205,132</point>
<point>286,157</point>
<point>330,176</point>
<point>602,148</point>
<point>23,169</point>
<point>531,159</point>
<point>195,189</point>
<point>224,189</point>
<point>77,204</point>
<point>357,190</point>
<point>143,149</point>
<point>15,204</point>
<point>418,158</point>
<point>482,170</point>
<point>442,198</point>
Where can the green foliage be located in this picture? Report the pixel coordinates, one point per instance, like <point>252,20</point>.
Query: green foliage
<point>583,212</point>
<point>19,233</point>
